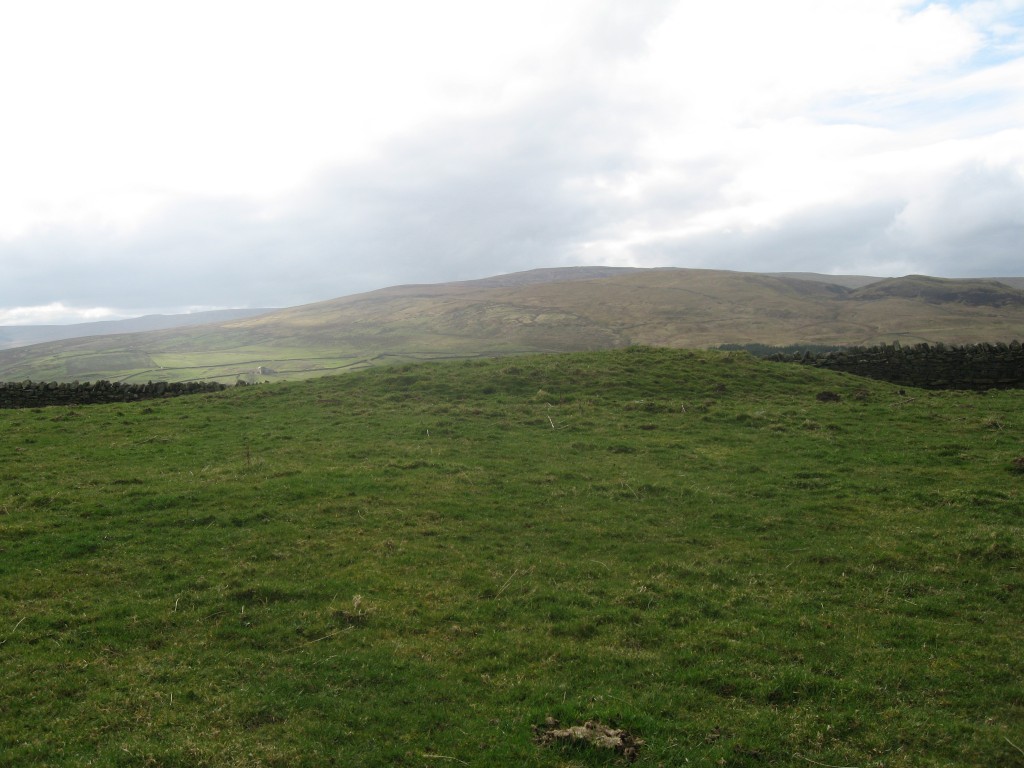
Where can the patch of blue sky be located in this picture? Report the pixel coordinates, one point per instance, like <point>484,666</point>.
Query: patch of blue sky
<point>996,52</point>
<point>960,5</point>
<point>1001,26</point>
<point>933,101</point>
<point>1004,40</point>
<point>913,111</point>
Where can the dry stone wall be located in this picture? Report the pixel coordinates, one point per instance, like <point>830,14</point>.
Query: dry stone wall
<point>936,366</point>
<point>28,394</point>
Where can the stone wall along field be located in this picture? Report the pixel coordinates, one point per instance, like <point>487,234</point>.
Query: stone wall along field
<point>28,394</point>
<point>938,366</point>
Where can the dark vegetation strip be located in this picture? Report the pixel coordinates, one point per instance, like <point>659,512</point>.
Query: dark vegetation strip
<point>28,394</point>
<point>937,366</point>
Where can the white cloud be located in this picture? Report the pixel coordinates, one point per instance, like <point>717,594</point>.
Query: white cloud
<point>56,314</point>
<point>119,107</point>
<point>226,152</point>
<point>737,61</point>
<point>972,200</point>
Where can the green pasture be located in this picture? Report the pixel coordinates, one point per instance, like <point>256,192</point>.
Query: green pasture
<point>740,563</point>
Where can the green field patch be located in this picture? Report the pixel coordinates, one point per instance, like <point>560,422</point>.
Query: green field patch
<point>425,564</point>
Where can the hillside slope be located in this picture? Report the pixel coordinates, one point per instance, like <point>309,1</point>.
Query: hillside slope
<point>24,335</point>
<point>541,311</point>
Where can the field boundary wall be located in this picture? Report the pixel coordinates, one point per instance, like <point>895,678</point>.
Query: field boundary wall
<point>929,366</point>
<point>29,394</point>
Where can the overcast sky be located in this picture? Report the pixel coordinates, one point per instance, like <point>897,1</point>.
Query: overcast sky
<point>162,156</point>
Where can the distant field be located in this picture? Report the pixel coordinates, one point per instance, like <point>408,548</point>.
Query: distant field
<point>737,562</point>
<point>542,311</point>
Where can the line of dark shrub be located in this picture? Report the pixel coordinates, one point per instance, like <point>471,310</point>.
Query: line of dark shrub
<point>767,350</point>
<point>930,366</point>
<point>28,394</point>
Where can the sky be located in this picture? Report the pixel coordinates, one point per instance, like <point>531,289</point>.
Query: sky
<point>161,157</point>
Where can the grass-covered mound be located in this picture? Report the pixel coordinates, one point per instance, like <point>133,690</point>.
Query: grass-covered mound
<point>730,562</point>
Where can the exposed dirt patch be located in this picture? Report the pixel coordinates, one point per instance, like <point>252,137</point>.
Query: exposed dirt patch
<point>590,734</point>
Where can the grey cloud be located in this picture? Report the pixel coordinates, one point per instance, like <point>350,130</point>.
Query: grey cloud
<point>482,196</point>
<point>970,223</point>
<point>620,29</point>
<point>954,234</point>
<point>455,201</point>
<point>817,240</point>
<point>505,192</point>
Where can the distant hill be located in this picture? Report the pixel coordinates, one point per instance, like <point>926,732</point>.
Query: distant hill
<point>847,281</point>
<point>935,290</point>
<point>23,335</point>
<point>556,310</point>
<point>1013,282</point>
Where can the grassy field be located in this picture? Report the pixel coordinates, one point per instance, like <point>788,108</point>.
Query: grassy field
<point>416,565</point>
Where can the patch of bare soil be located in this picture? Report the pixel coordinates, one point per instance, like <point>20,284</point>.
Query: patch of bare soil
<point>590,734</point>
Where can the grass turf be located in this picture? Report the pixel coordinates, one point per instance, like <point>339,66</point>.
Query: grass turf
<point>416,565</point>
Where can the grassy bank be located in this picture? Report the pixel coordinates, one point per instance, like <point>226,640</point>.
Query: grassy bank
<point>416,565</point>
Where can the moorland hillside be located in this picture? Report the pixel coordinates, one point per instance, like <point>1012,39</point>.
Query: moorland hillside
<point>558,310</point>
